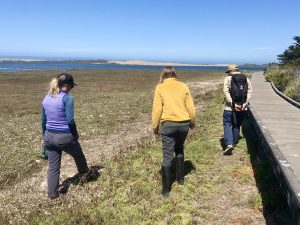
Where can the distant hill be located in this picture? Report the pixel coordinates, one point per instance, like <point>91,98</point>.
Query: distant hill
<point>253,65</point>
<point>96,61</point>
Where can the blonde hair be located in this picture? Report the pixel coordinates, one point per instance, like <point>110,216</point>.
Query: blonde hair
<point>167,72</point>
<point>53,87</point>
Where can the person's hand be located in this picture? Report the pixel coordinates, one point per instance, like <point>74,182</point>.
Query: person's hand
<point>238,108</point>
<point>192,125</point>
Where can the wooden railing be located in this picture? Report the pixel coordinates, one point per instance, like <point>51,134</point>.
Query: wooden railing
<point>292,101</point>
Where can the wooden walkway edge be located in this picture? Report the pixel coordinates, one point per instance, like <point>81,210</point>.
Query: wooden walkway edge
<point>277,124</point>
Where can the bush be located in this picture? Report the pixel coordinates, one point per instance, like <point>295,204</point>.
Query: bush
<point>293,91</point>
<point>279,78</point>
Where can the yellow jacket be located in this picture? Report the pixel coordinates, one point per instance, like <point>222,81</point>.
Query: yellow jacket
<point>172,102</point>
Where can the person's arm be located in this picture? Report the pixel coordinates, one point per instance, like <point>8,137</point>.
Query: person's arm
<point>44,120</point>
<point>226,90</point>
<point>69,107</point>
<point>156,109</point>
<point>189,104</point>
<point>249,93</point>
<point>250,90</point>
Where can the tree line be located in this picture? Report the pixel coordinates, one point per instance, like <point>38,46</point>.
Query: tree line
<point>292,53</point>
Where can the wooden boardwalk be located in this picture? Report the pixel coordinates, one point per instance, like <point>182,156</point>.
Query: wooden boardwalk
<point>279,123</point>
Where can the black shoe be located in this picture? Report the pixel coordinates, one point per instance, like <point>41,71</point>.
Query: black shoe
<point>90,175</point>
<point>166,180</point>
<point>180,169</point>
<point>228,150</point>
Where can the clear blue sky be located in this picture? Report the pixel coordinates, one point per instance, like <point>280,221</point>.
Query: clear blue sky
<point>198,31</point>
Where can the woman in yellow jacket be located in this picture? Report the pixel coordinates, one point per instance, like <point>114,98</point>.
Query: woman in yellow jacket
<point>174,111</point>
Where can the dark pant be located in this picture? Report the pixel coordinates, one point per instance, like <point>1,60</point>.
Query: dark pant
<point>173,138</point>
<point>56,143</point>
<point>231,130</point>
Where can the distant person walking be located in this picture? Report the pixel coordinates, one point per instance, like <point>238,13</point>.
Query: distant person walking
<point>59,130</point>
<point>174,111</point>
<point>238,90</point>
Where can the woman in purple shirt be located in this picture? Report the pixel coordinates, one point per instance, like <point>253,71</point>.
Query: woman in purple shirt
<point>59,130</point>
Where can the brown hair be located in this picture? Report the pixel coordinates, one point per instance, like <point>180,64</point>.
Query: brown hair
<point>167,72</point>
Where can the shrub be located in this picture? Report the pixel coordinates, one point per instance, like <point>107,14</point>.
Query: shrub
<point>293,91</point>
<point>279,78</point>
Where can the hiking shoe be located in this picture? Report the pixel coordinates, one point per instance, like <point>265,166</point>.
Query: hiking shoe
<point>228,150</point>
<point>90,175</point>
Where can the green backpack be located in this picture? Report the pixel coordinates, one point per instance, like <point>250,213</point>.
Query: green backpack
<point>44,152</point>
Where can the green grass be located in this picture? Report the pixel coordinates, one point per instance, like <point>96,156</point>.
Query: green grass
<point>128,190</point>
<point>130,186</point>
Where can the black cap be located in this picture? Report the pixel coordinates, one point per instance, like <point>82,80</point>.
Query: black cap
<point>65,78</point>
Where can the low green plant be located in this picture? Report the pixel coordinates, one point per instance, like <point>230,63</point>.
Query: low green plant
<point>293,91</point>
<point>255,202</point>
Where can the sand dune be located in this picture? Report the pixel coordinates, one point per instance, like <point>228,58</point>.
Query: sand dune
<point>148,63</point>
<point>20,60</point>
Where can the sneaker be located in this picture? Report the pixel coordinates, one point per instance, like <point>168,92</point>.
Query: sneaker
<point>228,150</point>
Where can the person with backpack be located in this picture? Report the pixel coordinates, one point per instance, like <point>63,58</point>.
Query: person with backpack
<point>238,90</point>
<point>174,113</point>
<point>60,132</point>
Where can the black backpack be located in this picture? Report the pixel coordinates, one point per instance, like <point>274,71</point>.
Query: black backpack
<point>239,88</point>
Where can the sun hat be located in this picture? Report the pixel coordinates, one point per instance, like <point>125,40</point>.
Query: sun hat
<point>232,67</point>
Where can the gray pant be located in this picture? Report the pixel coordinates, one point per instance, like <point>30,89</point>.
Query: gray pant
<point>173,138</point>
<point>56,143</point>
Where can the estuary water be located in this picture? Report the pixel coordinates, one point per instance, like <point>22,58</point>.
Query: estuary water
<point>48,65</point>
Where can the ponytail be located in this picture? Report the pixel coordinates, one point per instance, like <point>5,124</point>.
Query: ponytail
<point>53,87</point>
<point>168,72</point>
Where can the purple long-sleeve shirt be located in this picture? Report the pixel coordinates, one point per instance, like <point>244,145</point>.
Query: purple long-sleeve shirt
<point>58,114</point>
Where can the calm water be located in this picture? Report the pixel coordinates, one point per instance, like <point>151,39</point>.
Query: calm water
<point>23,66</point>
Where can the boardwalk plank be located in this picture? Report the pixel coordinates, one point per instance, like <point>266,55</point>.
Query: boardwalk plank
<point>280,118</point>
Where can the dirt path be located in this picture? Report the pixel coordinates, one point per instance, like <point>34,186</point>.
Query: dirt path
<point>32,193</point>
